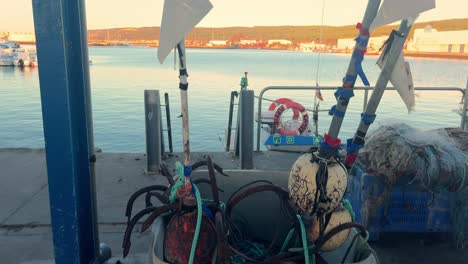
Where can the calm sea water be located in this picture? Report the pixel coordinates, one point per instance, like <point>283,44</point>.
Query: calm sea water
<point>120,75</point>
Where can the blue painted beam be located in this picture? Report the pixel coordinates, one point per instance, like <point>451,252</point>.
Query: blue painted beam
<point>62,52</point>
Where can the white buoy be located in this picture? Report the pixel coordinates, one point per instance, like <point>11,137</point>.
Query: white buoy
<point>303,189</point>
<point>339,216</point>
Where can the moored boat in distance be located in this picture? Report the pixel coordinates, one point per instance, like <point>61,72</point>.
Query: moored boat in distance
<point>12,54</point>
<point>6,54</point>
<point>21,58</point>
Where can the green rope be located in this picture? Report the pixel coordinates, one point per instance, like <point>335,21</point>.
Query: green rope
<point>250,249</point>
<point>174,189</point>
<point>172,197</point>
<point>287,240</point>
<point>199,221</point>
<point>199,216</point>
<point>304,240</point>
<point>179,183</point>
<point>347,205</point>
<point>180,170</point>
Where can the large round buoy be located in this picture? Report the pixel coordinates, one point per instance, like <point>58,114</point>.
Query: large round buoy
<point>339,216</point>
<point>303,189</point>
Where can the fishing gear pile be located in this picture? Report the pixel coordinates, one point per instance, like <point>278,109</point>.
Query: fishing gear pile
<point>436,159</point>
<point>317,184</point>
<point>247,227</point>
<point>279,234</point>
<point>192,225</point>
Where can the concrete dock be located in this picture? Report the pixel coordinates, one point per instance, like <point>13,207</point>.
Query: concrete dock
<point>25,231</point>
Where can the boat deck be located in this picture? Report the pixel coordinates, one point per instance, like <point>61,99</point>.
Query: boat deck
<point>25,231</point>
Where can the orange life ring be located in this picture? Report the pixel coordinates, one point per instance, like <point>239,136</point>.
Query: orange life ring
<point>282,101</point>
<point>295,106</point>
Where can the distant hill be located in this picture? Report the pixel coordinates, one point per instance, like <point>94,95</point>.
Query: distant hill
<point>294,33</point>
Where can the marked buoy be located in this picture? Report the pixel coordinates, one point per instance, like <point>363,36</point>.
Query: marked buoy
<point>303,188</point>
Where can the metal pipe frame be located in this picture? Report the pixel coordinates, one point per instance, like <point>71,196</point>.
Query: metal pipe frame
<point>352,71</point>
<point>394,52</point>
<point>333,88</point>
<point>183,85</point>
<point>168,121</point>
<point>465,106</point>
<point>229,128</point>
<point>307,109</point>
<point>237,134</point>
<point>60,28</point>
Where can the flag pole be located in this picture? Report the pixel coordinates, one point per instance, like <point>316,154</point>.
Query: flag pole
<point>183,86</point>
<point>179,18</point>
<point>393,49</point>
<point>344,93</point>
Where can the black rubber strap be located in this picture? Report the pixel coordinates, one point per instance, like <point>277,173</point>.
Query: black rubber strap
<point>183,86</point>
<point>361,134</point>
<point>344,102</point>
<point>183,72</point>
<point>359,141</point>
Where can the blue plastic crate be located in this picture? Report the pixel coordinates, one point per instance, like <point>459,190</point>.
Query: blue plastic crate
<point>409,208</point>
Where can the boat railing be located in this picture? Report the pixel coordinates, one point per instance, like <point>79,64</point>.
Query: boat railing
<point>307,109</point>
<point>366,90</point>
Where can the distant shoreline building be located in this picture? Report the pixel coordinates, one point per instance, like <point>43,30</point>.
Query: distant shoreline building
<point>424,40</point>
<point>215,43</point>
<point>247,41</point>
<point>311,46</point>
<point>431,40</point>
<point>375,43</point>
<point>20,37</point>
<point>279,41</point>
<point>3,36</point>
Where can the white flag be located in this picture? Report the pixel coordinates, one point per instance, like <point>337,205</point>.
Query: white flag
<point>179,17</point>
<point>395,10</point>
<point>402,80</point>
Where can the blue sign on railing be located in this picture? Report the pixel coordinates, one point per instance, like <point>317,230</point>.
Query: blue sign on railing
<point>278,140</point>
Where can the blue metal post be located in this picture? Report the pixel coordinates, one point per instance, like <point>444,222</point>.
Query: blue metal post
<point>63,73</point>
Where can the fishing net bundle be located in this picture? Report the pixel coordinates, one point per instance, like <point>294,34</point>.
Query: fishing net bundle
<point>435,159</point>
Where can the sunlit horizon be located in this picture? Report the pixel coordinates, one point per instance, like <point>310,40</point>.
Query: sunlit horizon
<point>104,14</point>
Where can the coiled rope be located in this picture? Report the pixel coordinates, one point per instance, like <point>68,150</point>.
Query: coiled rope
<point>172,197</point>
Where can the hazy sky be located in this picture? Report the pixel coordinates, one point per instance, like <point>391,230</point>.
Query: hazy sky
<point>16,15</point>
